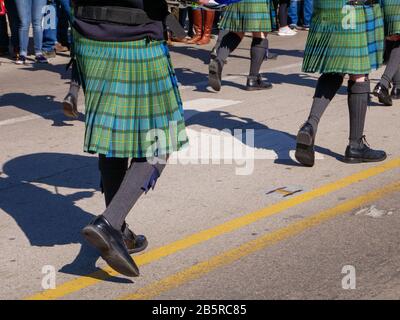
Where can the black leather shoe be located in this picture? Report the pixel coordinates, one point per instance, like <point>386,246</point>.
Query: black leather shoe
<point>257,83</point>
<point>395,93</point>
<point>134,243</point>
<point>305,153</point>
<point>111,245</point>
<point>382,94</point>
<point>363,153</point>
<point>214,74</point>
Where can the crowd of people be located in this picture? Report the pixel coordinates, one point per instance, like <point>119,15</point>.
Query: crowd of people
<point>50,20</point>
<point>132,95</point>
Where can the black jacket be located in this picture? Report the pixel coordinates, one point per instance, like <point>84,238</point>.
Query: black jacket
<point>156,10</point>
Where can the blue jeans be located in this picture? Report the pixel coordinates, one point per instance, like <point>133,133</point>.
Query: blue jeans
<point>59,30</point>
<point>295,11</point>
<point>30,11</point>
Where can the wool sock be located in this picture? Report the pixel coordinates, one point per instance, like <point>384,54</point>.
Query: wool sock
<point>257,54</point>
<point>358,96</point>
<point>392,66</point>
<point>228,44</point>
<point>327,87</point>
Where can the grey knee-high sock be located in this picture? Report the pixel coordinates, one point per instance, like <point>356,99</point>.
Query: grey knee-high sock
<point>327,87</point>
<point>396,79</point>
<point>258,49</point>
<point>358,95</point>
<point>221,35</point>
<point>392,66</point>
<point>139,178</point>
<point>228,44</point>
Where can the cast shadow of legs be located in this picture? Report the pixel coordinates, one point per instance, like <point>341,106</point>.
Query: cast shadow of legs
<point>44,106</point>
<point>280,143</point>
<point>31,195</point>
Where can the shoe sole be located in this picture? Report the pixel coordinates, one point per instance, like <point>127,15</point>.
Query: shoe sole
<point>139,249</point>
<point>304,150</point>
<point>214,78</point>
<point>68,109</point>
<point>358,160</point>
<point>113,259</point>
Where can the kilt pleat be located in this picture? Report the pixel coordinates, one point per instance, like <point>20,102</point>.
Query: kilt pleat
<point>132,102</point>
<point>391,10</point>
<point>349,41</point>
<point>248,16</point>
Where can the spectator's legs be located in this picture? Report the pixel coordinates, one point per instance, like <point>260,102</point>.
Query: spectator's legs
<point>284,29</point>
<point>37,16</point>
<point>308,11</point>
<point>50,30</point>
<point>63,13</point>
<point>4,39</point>
<point>24,8</point>
<point>293,13</point>
<point>13,20</point>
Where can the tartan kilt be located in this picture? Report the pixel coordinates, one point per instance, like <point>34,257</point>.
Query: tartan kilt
<point>391,11</point>
<point>132,102</point>
<point>336,47</point>
<point>248,16</point>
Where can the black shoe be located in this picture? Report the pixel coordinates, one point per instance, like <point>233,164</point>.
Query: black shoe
<point>214,75</point>
<point>395,93</point>
<point>363,153</point>
<point>257,83</point>
<point>40,58</point>
<point>134,243</point>
<point>111,245</point>
<point>305,153</point>
<point>382,94</point>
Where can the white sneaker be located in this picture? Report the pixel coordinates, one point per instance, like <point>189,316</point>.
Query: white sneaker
<point>286,31</point>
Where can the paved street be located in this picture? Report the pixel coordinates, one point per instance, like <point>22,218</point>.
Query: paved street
<point>258,226</point>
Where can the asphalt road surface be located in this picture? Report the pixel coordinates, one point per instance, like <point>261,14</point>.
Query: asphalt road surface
<point>247,224</point>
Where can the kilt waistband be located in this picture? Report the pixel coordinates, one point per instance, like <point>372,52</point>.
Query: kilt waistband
<point>362,2</point>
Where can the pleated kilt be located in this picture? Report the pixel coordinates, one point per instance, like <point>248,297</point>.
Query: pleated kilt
<point>248,16</point>
<point>347,40</point>
<point>132,103</point>
<point>391,10</point>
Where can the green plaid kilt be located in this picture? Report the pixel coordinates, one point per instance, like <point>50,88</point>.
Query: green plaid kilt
<point>347,40</point>
<point>248,16</point>
<point>391,10</point>
<point>133,105</point>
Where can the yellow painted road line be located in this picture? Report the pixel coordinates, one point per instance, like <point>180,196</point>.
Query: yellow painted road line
<point>205,235</point>
<point>228,257</point>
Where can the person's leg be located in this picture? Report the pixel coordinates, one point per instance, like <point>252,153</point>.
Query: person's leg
<point>396,85</point>
<point>139,179</point>
<point>259,47</point>
<point>63,13</point>
<point>183,13</point>
<point>307,12</point>
<point>13,20</point>
<point>208,16</point>
<point>293,13</point>
<point>358,97</point>
<point>382,88</point>
<point>4,38</point>
<point>284,29</point>
<point>198,25</point>
<point>228,44</point>
<point>24,9</point>
<point>37,17</point>
<point>327,87</point>
<point>50,30</point>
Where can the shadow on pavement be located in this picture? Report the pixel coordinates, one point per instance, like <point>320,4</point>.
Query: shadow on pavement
<point>44,106</point>
<point>265,137</point>
<point>47,217</point>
